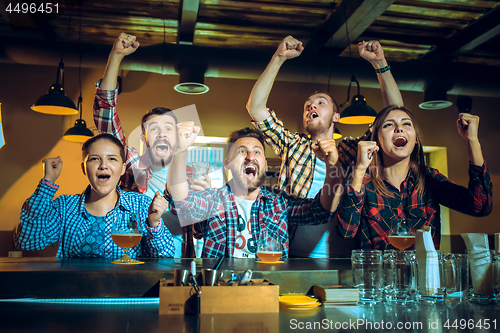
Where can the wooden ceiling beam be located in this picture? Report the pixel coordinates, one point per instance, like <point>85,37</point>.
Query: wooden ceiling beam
<point>358,15</point>
<point>478,32</point>
<point>188,15</point>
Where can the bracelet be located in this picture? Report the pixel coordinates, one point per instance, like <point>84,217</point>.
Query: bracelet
<point>383,70</point>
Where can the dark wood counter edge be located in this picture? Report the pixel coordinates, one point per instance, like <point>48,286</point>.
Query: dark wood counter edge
<point>166,264</point>
<point>98,277</point>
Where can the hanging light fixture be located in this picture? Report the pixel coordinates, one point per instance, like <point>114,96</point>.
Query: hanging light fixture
<point>358,112</point>
<point>435,98</point>
<point>336,134</point>
<point>55,101</point>
<point>79,132</point>
<point>191,80</point>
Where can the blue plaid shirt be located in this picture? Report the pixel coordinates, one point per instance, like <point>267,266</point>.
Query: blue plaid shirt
<point>273,210</point>
<point>45,221</point>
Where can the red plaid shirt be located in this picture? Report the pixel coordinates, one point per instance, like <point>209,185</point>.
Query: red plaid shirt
<point>138,172</point>
<point>273,210</point>
<point>368,214</point>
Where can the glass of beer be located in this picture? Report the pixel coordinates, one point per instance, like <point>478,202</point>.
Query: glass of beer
<point>269,247</point>
<point>402,234</point>
<point>126,232</point>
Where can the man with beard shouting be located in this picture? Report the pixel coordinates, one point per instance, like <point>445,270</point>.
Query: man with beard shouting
<point>301,172</point>
<point>234,215</point>
<point>145,173</point>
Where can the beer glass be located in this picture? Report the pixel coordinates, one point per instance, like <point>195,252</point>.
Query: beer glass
<point>402,234</point>
<point>367,275</point>
<point>126,232</point>
<point>269,247</point>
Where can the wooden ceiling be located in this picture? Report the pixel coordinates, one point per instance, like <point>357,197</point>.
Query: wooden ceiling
<point>448,31</point>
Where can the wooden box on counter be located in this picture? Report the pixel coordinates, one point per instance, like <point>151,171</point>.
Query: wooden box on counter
<point>258,296</point>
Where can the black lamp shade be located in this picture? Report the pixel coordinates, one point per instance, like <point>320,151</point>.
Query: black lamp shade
<point>337,135</point>
<point>191,81</point>
<point>435,98</point>
<point>55,102</point>
<point>79,132</point>
<point>358,112</point>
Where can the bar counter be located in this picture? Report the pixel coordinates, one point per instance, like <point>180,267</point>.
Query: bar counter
<point>98,277</point>
<point>93,295</point>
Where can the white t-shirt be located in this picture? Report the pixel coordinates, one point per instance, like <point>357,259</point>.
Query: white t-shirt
<point>245,246</point>
<point>157,183</point>
<point>311,241</point>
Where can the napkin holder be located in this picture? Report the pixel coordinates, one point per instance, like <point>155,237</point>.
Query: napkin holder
<point>478,251</point>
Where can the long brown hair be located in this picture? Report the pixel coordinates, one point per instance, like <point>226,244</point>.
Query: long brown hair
<point>417,162</point>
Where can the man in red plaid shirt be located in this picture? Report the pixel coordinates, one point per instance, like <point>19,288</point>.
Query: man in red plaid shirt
<point>145,173</point>
<point>234,215</point>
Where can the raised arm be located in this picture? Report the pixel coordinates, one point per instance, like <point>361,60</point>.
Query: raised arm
<point>326,150</point>
<point>40,221</point>
<point>105,116</point>
<point>52,168</point>
<point>158,241</point>
<point>157,207</point>
<point>123,46</point>
<point>351,205</point>
<point>366,149</point>
<point>468,126</point>
<point>372,51</point>
<point>257,103</point>
<point>177,184</point>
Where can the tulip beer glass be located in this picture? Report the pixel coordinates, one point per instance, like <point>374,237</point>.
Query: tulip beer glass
<point>269,247</point>
<point>126,232</point>
<point>402,234</point>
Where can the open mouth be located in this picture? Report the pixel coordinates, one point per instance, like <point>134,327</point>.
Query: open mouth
<point>250,171</point>
<point>313,115</point>
<point>103,177</point>
<point>162,148</point>
<point>400,142</point>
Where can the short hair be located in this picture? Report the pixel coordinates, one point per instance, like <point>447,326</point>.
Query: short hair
<point>157,111</point>
<point>103,136</point>
<point>337,109</point>
<point>247,132</point>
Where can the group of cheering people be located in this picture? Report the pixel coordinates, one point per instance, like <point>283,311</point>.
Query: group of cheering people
<point>387,180</point>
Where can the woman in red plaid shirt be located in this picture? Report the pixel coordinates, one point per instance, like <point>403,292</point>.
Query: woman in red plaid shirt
<point>401,186</point>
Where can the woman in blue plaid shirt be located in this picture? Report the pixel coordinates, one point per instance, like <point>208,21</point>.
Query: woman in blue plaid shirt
<point>82,223</point>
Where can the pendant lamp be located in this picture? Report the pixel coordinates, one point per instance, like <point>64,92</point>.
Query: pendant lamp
<point>358,112</point>
<point>79,132</point>
<point>55,101</point>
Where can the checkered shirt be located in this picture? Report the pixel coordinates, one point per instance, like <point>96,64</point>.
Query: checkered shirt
<point>368,214</point>
<point>138,171</point>
<point>45,220</point>
<point>297,156</point>
<point>273,210</point>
